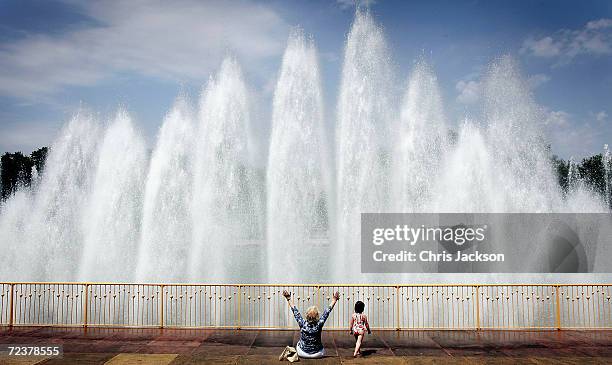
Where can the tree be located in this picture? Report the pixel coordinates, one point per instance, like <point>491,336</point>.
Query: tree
<point>562,169</point>
<point>15,171</point>
<point>592,172</point>
<point>38,158</point>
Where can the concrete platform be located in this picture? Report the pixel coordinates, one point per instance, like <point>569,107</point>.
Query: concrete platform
<point>180,346</point>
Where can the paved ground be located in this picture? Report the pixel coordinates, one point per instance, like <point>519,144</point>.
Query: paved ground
<point>156,346</point>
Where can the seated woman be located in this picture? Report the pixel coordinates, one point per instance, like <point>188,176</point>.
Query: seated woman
<point>310,345</point>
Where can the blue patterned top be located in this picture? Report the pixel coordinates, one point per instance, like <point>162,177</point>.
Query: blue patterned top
<point>310,333</point>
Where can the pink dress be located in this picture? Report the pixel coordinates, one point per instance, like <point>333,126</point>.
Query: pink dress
<point>359,323</point>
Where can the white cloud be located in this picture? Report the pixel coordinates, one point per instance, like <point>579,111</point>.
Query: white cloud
<point>544,47</point>
<point>601,116</point>
<point>469,91</point>
<point>537,80</point>
<point>179,40</point>
<point>576,136</point>
<point>599,24</point>
<point>557,118</point>
<point>595,38</point>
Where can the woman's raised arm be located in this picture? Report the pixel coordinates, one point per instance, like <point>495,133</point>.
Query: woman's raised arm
<point>287,296</point>
<point>296,312</point>
<point>335,299</point>
<point>328,310</point>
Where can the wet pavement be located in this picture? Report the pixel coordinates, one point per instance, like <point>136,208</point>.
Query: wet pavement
<point>190,346</point>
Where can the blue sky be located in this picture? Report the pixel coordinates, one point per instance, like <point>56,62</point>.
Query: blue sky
<point>57,55</point>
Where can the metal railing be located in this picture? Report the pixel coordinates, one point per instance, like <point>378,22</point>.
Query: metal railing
<point>389,307</point>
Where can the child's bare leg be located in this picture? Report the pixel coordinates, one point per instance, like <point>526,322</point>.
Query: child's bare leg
<point>361,339</point>
<point>358,345</point>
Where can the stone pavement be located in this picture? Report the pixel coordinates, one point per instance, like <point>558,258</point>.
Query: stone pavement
<point>186,346</point>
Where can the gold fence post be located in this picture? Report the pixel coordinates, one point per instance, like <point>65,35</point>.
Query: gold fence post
<point>85,302</point>
<point>161,306</point>
<point>239,297</point>
<point>397,306</point>
<point>477,308</point>
<point>558,309</point>
<point>12,306</point>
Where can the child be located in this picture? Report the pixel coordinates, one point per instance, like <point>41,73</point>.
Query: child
<point>359,324</point>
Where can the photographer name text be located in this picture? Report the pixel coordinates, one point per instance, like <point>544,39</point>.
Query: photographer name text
<point>430,256</point>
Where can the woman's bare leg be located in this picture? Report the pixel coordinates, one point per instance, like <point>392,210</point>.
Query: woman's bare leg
<point>358,345</point>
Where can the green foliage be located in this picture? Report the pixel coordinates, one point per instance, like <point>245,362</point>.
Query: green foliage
<point>590,171</point>
<point>38,158</point>
<point>16,170</point>
<point>562,169</point>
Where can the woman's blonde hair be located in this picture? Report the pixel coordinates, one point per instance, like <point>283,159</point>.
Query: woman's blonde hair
<point>312,314</point>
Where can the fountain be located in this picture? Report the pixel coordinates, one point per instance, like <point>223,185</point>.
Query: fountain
<point>466,180</point>
<point>166,229</point>
<point>13,220</point>
<point>298,179</point>
<point>421,138</point>
<point>364,112</point>
<point>197,208</point>
<point>111,223</point>
<point>524,174</point>
<point>224,202</point>
<point>48,231</point>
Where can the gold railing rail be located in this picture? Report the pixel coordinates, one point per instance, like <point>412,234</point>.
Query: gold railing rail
<point>244,306</point>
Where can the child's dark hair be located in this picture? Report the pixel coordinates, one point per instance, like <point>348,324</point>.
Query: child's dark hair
<point>359,306</point>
